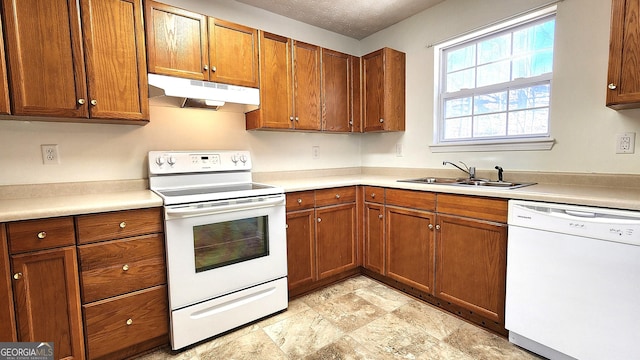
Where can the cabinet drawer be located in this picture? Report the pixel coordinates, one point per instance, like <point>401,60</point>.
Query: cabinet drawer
<point>128,324</point>
<point>411,199</point>
<point>300,200</point>
<point>335,196</point>
<point>374,194</point>
<point>473,207</point>
<point>30,235</point>
<point>121,266</point>
<point>120,224</point>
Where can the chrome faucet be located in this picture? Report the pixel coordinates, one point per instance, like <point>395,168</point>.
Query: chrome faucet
<point>499,172</point>
<point>469,170</point>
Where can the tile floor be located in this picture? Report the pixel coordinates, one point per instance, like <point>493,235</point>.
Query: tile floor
<point>358,318</point>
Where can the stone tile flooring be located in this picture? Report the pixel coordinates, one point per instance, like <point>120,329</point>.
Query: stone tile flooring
<point>358,318</point>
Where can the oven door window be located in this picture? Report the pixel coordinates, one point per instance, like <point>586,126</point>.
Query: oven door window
<point>230,242</point>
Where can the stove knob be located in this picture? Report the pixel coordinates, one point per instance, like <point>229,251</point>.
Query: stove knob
<point>160,160</point>
<point>243,158</point>
<point>234,158</point>
<point>171,160</point>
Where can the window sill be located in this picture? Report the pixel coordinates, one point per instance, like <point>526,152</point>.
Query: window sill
<point>535,144</point>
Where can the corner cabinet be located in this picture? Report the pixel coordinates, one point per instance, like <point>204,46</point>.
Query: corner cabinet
<point>77,59</point>
<point>624,56</point>
<point>289,85</point>
<point>384,90</point>
<point>190,45</point>
<point>340,92</point>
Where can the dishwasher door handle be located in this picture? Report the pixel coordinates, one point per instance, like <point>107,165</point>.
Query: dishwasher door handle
<point>581,214</point>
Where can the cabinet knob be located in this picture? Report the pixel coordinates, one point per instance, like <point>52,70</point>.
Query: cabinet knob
<point>373,195</point>
<point>380,216</point>
<point>297,119</point>
<point>381,121</point>
<point>206,67</point>
<point>612,86</point>
<point>129,321</point>
<point>299,201</point>
<point>125,267</point>
<point>81,101</point>
<point>430,226</point>
<point>213,69</point>
<point>94,102</point>
<point>337,196</point>
<point>290,118</point>
<point>42,235</point>
<point>319,220</point>
<point>438,227</point>
<point>286,226</point>
<point>123,225</point>
<point>17,276</point>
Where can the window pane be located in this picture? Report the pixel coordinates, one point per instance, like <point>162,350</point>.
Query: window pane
<point>495,49</point>
<point>490,125</point>
<point>494,73</point>
<point>538,37</point>
<point>461,58</point>
<point>460,80</point>
<point>533,65</point>
<point>458,128</point>
<point>530,97</point>
<point>490,103</point>
<point>529,122</point>
<point>457,107</point>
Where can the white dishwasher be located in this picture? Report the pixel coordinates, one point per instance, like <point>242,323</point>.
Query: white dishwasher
<point>573,281</point>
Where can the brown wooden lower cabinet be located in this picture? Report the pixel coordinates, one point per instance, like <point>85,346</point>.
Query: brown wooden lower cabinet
<point>7,312</point>
<point>47,300</point>
<point>128,324</point>
<point>374,237</point>
<point>301,260</point>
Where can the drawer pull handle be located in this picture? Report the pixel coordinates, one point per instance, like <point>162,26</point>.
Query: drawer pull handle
<point>299,201</point>
<point>17,276</point>
<point>129,321</point>
<point>123,225</point>
<point>42,234</point>
<point>125,267</point>
<point>373,195</point>
<point>337,196</point>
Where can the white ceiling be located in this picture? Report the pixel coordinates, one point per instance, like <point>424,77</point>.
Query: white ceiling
<point>353,18</point>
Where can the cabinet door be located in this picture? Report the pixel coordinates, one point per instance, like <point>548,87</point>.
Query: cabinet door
<point>7,317</point>
<point>355,66</point>
<point>306,77</point>
<point>373,83</point>
<point>46,62</point>
<point>233,51</point>
<point>336,239</point>
<point>410,247</point>
<point>301,262</point>
<point>276,96</point>
<point>336,91</point>
<point>116,59</point>
<point>177,41</point>
<point>5,107</point>
<point>47,300</point>
<point>624,55</point>
<point>471,265</point>
<point>374,237</point>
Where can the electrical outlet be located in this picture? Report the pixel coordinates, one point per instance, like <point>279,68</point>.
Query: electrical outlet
<point>50,154</point>
<point>625,143</point>
<point>315,152</point>
<point>399,150</point>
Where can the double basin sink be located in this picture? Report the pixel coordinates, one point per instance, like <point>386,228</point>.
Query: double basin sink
<point>467,182</point>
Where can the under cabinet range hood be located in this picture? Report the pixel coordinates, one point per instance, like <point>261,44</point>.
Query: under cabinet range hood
<point>178,92</point>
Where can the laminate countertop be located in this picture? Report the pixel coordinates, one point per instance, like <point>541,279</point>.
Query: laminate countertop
<point>24,202</point>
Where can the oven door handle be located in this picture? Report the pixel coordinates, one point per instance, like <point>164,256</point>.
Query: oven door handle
<point>190,211</point>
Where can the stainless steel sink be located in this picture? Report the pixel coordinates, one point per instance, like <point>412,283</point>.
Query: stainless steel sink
<point>467,182</point>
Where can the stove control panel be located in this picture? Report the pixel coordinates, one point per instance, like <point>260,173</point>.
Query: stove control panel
<point>177,162</point>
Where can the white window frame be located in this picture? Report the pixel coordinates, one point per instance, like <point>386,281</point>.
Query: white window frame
<point>532,142</point>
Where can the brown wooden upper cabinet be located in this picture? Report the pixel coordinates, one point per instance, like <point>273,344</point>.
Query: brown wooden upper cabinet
<point>191,45</point>
<point>289,85</point>
<point>340,92</point>
<point>384,90</point>
<point>5,106</point>
<point>624,56</point>
<point>77,59</point>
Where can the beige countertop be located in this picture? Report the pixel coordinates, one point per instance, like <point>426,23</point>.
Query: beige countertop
<point>24,202</point>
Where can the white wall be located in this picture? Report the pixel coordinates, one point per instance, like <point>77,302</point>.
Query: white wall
<point>91,152</point>
<point>584,128</point>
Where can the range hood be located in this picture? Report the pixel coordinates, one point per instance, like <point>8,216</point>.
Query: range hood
<point>178,92</point>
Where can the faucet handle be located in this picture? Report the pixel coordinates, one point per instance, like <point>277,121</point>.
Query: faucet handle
<point>472,172</point>
<point>499,172</point>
